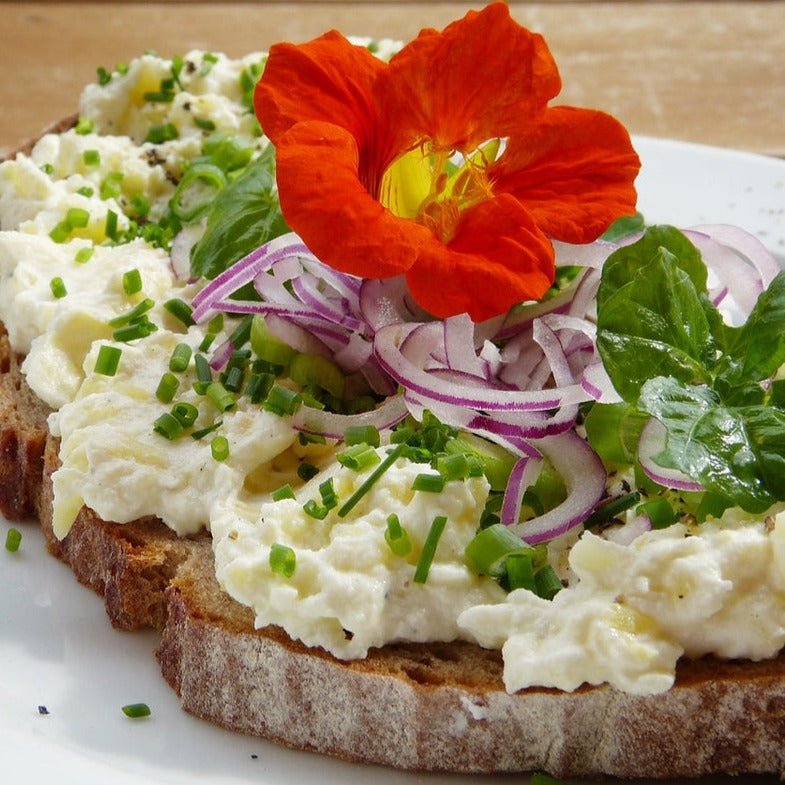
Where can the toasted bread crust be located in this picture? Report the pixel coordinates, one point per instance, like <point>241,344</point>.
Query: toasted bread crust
<point>430,707</point>
<point>442,707</point>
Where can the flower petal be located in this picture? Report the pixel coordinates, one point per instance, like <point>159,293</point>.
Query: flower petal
<point>481,78</point>
<point>327,79</point>
<point>324,201</point>
<point>573,171</point>
<point>498,258</point>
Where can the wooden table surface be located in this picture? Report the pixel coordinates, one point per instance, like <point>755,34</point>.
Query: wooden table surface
<point>709,72</point>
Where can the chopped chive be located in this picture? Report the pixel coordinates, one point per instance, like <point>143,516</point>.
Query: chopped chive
<point>186,413</point>
<point>77,217</point>
<point>207,342</point>
<point>258,386</point>
<point>282,560</point>
<point>85,190</point>
<point>219,447</point>
<point>60,232</point>
<point>136,710</point>
<point>350,503</point>
<point>612,508</point>
<point>168,426</point>
<point>490,545</point>
<point>108,360</point>
<point>167,388</point>
<point>429,549</point>
<point>110,187</point>
<point>132,282</point>
<point>242,332</point>
<point>519,568</point>
<point>158,134</point>
<point>358,457</point>
<point>84,254</point>
<point>180,310</point>
<point>104,76</point>
<point>361,434</point>
<point>134,314</point>
<point>203,371</point>
<point>141,204</point>
<point>84,126</point>
<point>91,158</point>
<point>216,324</point>
<point>315,510</point>
<point>202,432</point>
<point>396,537</point>
<point>180,358</point>
<point>13,539</point>
<point>58,287</point>
<point>453,466</point>
<point>547,582</point>
<point>110,229</point>
<point>234,379</point>
<point>204,123</point>
<point>305,471</point>
<point>284,492</point>
<point>159,96</point>
<point>282,401</point>
<point>327,492</point>
<point>137,329</point>
<point>430,483</point>
<point>220,396</point>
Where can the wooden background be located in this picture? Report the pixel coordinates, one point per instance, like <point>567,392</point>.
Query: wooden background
<point>710,72</point>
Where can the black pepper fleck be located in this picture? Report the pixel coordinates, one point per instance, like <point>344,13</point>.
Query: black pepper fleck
<point>43,710</point>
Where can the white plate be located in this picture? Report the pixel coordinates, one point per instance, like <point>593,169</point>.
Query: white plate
<point>57,649</point>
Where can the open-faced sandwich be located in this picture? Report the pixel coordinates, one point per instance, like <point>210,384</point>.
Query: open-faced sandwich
<point>353,370</point>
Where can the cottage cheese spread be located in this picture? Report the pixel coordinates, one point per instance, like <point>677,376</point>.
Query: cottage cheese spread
<point>631,609</point>
<point>350,592</point>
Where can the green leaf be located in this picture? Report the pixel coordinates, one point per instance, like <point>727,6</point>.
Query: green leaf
<point>243,216</point>
<point>652,322</point>
<point>757,350</point>
<point>622,265</point>
<point>735,452</point>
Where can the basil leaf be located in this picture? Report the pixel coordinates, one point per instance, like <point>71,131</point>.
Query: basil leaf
<point>652,322</point>
<point>735,452</point>
<point>623,264</point>
<point>243,216</point>
<point>757,349</point>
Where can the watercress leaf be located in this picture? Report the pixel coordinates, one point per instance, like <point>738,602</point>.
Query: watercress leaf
<point>243,216</point>
<point>654,325</point>
<point>623,264</point>
<point>737,453</point>
<point>757,349</point>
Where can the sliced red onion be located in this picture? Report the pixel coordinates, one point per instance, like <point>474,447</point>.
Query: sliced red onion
<point>180,253</point>
<point>630,531</point>
<point>761,258</point>
<point>590,255</point>
<point>406,369</point>
<point>243,272</point>
<point>598,384</point>
<point>333,426</point>
<point>221,355</point>
<point>652,441</point>
<point>523,474</point>
<point>584,476</point>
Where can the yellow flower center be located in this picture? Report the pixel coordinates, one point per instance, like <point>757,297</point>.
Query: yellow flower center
<point>426,185</point>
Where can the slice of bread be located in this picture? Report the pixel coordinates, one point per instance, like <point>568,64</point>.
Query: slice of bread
<point>428,707</point>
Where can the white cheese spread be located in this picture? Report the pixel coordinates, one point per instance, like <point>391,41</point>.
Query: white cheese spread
<point>635,609</point>
<point>349,591</point>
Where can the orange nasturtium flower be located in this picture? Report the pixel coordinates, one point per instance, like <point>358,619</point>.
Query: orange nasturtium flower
<point>369,178</point>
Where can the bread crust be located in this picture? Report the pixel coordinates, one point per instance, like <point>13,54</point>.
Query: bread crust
<point>427,707</point>
<point>442,707</point>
